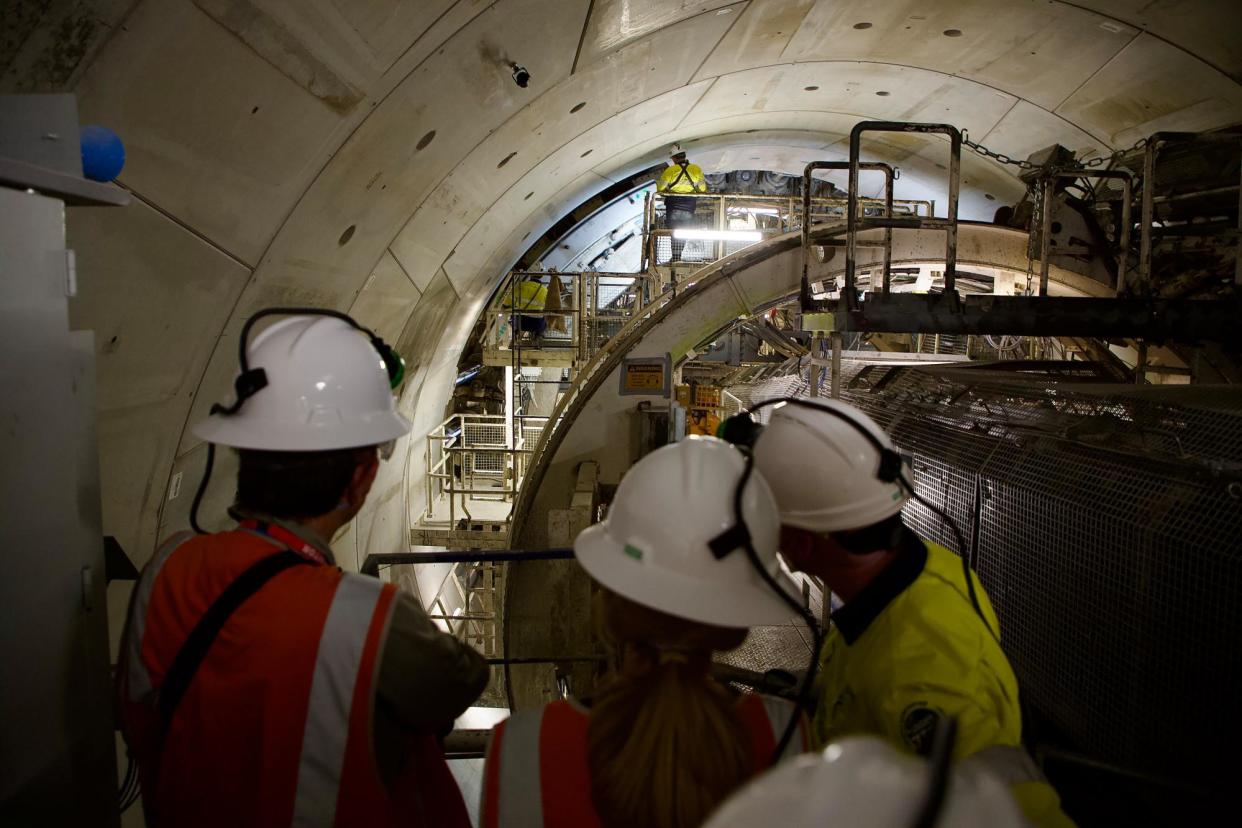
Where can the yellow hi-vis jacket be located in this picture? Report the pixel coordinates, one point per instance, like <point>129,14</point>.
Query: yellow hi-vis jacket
<point>682,178</point>
<point>909,649</point>
<point>531,296</point>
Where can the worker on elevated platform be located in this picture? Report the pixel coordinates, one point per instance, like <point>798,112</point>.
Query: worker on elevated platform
<point>678,181</point>
<point>259,684</point>
<point>662,743</point>
<point>529,295</point>
<point>916,639</point>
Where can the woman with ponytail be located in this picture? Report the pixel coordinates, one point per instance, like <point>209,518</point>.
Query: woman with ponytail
<point>662,743</point>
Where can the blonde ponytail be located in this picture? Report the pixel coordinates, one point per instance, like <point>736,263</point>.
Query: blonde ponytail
<point>665,742</point>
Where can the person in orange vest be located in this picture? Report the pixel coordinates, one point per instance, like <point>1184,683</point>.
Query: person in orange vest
<point>259,685</point>
<point>662,743</point>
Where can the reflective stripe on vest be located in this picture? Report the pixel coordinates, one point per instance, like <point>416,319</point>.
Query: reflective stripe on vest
<point>520,800</point>
<point>331,697</point>
<point>779,713</point>
<point>138,680</point>
<point>1010,764</point>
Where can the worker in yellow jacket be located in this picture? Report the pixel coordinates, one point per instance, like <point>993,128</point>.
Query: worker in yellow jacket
<point>528,295</point>
<point>677,183</point>
<point>913,641</point>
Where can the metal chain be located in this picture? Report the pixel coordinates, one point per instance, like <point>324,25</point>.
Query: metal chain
<point>1027,165</point>
<point>997,156</point>
<point>1110,159</point>
<point>1037,209</point>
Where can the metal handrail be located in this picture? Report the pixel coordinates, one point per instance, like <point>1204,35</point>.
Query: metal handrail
<point>790,217</point>
<point>949,224</point>
<point>889,176</point>
<point>441,472</point>
<point>1047,184</point>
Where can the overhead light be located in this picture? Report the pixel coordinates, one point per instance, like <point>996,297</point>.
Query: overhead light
<point>718,235</point>
<point>760,211</point>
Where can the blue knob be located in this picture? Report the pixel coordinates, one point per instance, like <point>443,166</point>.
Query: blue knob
<point>103,154</point>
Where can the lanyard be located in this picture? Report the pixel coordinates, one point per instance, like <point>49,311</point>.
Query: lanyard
<point>284,536</point>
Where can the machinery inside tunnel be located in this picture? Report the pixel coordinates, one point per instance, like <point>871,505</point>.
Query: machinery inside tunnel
<point>1008,231</point>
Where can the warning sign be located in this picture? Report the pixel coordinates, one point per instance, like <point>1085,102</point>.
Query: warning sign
<point>645,376</point>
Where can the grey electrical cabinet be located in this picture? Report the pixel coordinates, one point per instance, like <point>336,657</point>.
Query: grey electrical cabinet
<point>57,742</point>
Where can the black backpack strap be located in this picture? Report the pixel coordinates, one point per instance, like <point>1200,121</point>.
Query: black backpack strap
<point>196,645</point>
<point>685,173</point>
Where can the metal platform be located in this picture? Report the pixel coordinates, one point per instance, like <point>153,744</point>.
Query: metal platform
<point>531,357</point>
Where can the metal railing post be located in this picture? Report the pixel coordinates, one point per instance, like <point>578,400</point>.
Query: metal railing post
<point>1149,181</point>
<point>1045,232</point>
<point>837,343</point>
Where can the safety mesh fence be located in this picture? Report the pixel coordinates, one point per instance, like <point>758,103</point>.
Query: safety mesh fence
<point>1104,522</point>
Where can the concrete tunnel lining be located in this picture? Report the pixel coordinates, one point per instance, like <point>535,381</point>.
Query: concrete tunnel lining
<point>349,155</point>
<point>401,254</point>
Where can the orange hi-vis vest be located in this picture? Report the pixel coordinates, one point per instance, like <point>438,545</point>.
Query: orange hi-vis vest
<point>275,727</point>
<point>537,773</point>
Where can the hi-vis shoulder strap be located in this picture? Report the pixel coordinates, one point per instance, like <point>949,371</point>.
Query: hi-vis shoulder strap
<point>684,173</point>
<point>196,645</point>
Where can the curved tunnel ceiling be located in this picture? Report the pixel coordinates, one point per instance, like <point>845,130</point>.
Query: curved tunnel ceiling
<point>377,156</point>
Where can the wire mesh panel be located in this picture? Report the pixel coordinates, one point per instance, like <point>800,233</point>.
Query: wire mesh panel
<point>1106,522</point>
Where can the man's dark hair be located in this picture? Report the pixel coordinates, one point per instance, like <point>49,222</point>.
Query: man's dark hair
<point>296,484</point>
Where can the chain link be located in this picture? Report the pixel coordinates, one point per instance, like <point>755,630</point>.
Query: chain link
<point>1027,165</point>
<point>996,156</point>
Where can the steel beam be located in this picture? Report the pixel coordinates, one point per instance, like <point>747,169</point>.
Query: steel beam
<point>372,562</point>
<point>1152,319</point>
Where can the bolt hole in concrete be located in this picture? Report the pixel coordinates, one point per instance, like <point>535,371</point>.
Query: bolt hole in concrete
<point>989,197</point>
<point>577,107</point>
<point>809,88</point>
<point>347,235</point>
<point>952,32</point>
<point>882,93</point>
<point>585,154</point>
<point>425,140</point>
<point>528,195</point>
<point>253,111</point>
<point>506,160</point>
<point>862,25</point>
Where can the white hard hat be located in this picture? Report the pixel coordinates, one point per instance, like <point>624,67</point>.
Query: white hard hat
<point>675,149</point>
<point>864,782</point>
<point>327,388</point>
<point>823,471</point>
<point>653,546</point>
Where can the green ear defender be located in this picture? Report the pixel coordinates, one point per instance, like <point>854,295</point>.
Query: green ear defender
<point>393,363</point>
<point>396,367</point>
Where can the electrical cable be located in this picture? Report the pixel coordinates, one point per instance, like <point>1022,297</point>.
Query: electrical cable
<point>941,766</point>
<point>202,488</point>
<point>817,635</point>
